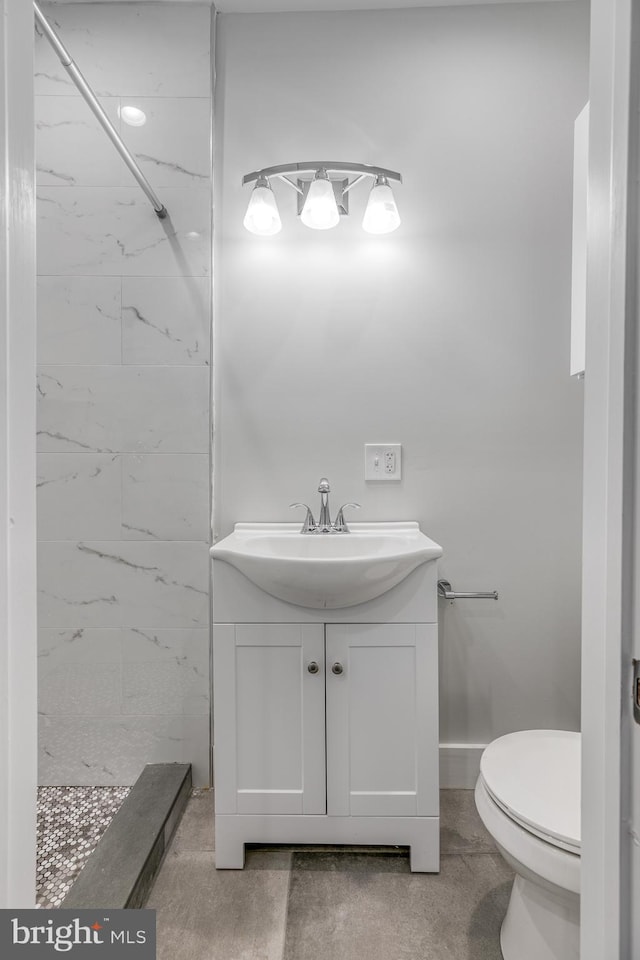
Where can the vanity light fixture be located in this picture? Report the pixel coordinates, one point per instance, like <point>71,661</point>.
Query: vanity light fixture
<point>320,207</point>
<point>322,198</point>
<point>381,215</point>
<point>262,215</point>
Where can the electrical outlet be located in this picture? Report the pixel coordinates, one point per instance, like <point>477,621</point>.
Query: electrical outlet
<point>382,461</point>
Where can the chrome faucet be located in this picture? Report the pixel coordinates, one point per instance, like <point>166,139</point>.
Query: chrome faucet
<point>340,525</point>
<point>324,524</point>
<point>324,520</point>
<point>309,525</point>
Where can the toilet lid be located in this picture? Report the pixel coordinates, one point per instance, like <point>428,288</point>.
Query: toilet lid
<point>534,776</point>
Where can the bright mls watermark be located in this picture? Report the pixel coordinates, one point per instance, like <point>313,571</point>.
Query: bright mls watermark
<point>81,934</point>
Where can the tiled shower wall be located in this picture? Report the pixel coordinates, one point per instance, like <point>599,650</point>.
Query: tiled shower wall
<point>124,425</point>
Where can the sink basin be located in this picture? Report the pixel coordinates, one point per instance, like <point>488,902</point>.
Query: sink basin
<point>324,570</point>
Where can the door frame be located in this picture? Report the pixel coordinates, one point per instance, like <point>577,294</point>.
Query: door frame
<point>18,645</point>
<point>609,495</point>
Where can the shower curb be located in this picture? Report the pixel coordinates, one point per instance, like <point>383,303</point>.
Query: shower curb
<point>121,870</point>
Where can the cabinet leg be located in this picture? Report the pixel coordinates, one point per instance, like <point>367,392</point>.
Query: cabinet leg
<point>229,852</point>
<point>423,859</point>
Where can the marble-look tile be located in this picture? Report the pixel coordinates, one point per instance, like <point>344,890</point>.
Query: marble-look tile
<point>166,320</point>
<point>79,409</point>
<point>82,689</point>
<point>113,231</point>
<point>141,49</point>
<point>107,584</point>
<point>165,409</point>
<point>212,914</point>
<point>351,905</point>
<point>165,497</point>
<point>79,496</point>
<point>173,147</point>
<point>96,228</point>
<point>146,646</point>
<point>113,750</point>
<point>109,409</point>
<point>81,645</point>
<point>79,320</point>
<point>80,672</point>
<point>165,672</point>
<point>72,149</point>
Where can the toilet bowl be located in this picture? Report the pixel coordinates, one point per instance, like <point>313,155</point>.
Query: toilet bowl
<point>528,796</point>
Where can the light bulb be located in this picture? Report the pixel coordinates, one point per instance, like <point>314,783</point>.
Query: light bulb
<point>320,210</point>
<point>262,215</point>
<point>381,215</point>
<point>134,116</point>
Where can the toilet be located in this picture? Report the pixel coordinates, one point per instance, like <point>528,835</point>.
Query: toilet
<point>528,796</point>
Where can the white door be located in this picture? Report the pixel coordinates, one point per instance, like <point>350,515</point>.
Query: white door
<point>269,718</point>
<point>382,719</point>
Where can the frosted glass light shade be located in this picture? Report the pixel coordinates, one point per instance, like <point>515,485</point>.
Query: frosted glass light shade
<point>262,215</point>
<point>381,215</point>
<point>320,210</point>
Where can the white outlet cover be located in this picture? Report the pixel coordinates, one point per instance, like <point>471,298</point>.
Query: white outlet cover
<point>374,461</point>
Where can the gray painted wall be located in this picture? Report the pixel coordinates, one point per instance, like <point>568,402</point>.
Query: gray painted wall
<point>450,336</point>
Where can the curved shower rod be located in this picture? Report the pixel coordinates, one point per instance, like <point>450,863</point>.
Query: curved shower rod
<point>103,119</point>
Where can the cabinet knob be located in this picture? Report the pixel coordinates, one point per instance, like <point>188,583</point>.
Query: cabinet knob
<point>313,667</point>
<point>337,668</point>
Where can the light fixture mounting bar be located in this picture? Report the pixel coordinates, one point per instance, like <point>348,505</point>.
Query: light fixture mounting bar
<point>358,179</point>
<point>331,166</point>
<point>284,179</point>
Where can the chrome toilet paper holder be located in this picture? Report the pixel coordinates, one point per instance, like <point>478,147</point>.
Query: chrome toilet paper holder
<point>447,593</point>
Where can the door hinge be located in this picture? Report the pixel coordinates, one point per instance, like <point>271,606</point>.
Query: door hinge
<point>636,691</point>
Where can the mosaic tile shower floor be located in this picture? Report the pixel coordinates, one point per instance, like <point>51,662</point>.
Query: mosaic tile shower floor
<point>71,821</point>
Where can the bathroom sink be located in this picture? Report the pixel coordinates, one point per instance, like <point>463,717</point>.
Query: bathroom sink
<point>326,571</point>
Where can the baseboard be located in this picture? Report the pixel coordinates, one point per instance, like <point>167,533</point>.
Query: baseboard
<point>460,765</point>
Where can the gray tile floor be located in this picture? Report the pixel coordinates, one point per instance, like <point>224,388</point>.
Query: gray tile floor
<point>331,903</point>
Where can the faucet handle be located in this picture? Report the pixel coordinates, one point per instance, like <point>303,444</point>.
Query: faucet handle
<point>340,526</point>
<point>309,525</point>
<point>323,485</point>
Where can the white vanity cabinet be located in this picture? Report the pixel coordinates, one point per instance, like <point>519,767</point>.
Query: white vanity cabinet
<point>381,739</point>
<point>326,721</point>
<point>279,687</point>
<point>269,718</point>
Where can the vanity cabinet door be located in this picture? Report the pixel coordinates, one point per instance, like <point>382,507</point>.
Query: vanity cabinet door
<point>382,719</point>
<point>269,718</point>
